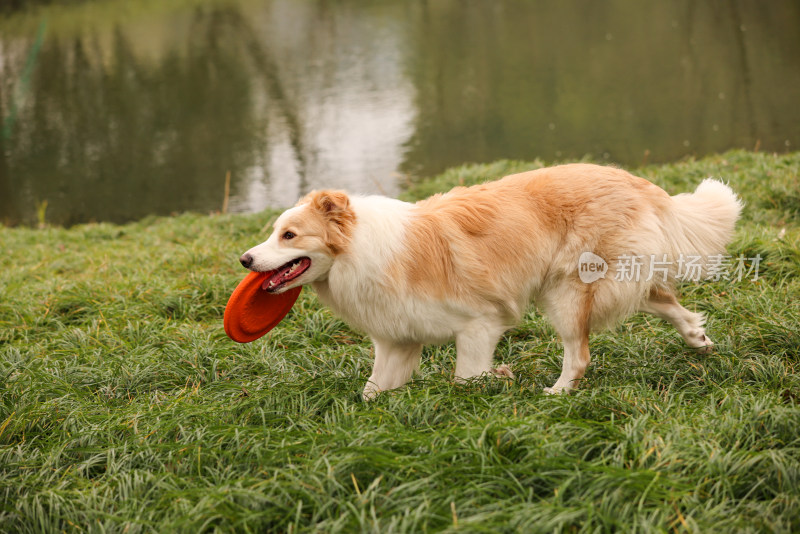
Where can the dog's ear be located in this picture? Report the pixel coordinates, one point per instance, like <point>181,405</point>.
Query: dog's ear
<point>332,202</point>
<point>335,207</point>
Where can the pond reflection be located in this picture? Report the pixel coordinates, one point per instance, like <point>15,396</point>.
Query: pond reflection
<point>146,114</point>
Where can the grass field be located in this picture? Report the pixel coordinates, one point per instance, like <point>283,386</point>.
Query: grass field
<point>125,408</point>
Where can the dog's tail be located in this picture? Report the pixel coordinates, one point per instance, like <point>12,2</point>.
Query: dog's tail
<point>703,223</point>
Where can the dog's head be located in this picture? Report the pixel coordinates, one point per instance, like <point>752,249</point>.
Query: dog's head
<point>305,241</point>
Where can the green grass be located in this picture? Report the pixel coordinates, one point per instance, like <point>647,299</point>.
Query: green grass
<point>125,408</point>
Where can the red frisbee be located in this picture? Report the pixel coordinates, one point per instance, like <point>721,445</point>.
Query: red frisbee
<point>252,311</point>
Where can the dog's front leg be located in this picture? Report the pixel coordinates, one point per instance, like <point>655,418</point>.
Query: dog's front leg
<point>394,365</point>
<point>475,351</point>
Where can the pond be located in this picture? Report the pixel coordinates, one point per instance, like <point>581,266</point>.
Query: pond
<point>112,111</point>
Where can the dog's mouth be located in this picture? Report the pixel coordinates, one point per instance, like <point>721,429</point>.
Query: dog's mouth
<point>284,274</point>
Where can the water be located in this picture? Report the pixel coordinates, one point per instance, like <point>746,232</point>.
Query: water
<point>126,109</point>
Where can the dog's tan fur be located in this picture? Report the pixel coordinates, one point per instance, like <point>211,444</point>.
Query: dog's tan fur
<point>333,216</point>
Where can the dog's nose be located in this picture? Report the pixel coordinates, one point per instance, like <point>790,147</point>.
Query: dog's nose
<point>246,260</point>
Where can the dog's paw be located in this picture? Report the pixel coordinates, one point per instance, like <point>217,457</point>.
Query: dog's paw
<point>370,393</point>
<point>503,371</point>
<point>703,345</point>
<point>708,345</point>
<point>553,391</point>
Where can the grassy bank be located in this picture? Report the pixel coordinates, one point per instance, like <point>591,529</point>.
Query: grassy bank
<point>124,407</point>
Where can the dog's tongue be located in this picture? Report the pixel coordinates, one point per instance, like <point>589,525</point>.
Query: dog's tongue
<point>274,278</point>
<point>269,275</point>
<point>284,274</point>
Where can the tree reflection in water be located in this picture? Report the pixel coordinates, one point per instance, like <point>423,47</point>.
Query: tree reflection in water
<point>145,115</point>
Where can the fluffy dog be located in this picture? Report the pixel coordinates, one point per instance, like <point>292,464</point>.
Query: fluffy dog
<point>466,264</point>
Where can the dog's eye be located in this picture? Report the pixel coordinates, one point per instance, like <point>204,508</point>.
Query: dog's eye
<point>288,235</point>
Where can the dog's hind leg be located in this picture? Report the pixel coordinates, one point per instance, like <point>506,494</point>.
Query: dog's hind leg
<point>664,305</point>
<point>570,316</point>
<point>394,365</point>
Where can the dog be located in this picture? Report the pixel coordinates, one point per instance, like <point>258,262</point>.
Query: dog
<point>467,264</point>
